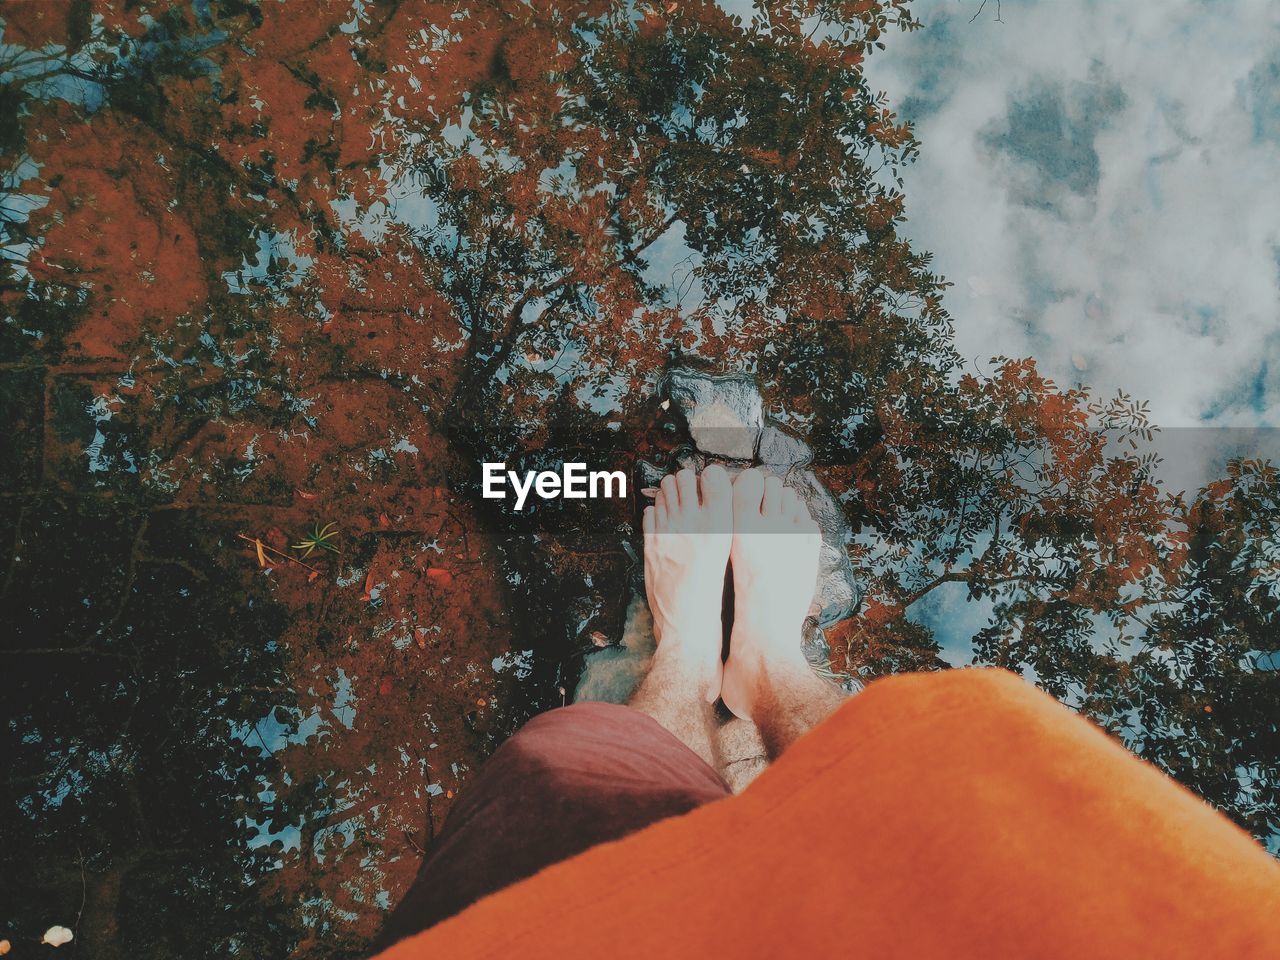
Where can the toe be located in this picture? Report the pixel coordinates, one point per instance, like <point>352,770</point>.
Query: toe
<point>648,521</point>
<point>772,503</point>
<point>669,495</point>
<point>790,502</point>
<point>794,506</point>
<point>663,502</point>
<point>687,484</point>
<point>748,491</point>
<point>717,490</point>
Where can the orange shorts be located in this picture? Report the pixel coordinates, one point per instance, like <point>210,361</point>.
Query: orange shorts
<point>961,814</point>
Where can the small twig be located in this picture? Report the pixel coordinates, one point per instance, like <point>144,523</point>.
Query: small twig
<point>409,838</point>
<point>981,6</point>
<point>261,740</point>
<point>260,546</point>
<point>84,895</point>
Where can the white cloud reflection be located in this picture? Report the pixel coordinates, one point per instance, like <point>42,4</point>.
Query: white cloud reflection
<point>1099,182</point>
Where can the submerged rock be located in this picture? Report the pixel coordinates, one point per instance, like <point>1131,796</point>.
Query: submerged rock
<point>719,418</point>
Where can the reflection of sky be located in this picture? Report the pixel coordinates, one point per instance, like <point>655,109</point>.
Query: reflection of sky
<point>1097,180</point>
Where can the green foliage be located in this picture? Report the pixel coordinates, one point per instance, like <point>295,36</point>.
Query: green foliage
<point>320,538</point>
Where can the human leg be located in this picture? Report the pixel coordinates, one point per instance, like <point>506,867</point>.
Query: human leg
<point>569,779</point>
<point>687,538</point>
<point>958,815</point>
<point>774,556</point>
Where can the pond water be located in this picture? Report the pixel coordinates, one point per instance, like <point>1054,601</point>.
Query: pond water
<point>278,277</point>
<point>257,631</point>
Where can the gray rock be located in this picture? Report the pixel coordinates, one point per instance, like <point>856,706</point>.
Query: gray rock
<point>721,419</point>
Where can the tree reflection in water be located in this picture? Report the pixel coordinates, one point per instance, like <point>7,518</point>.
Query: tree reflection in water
<point>270,266</point>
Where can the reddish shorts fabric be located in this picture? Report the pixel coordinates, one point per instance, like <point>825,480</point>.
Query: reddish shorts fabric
<point>568,780</point>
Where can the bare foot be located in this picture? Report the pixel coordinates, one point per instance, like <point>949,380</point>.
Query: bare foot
<point>775,569</point>
<point>687,536</point>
